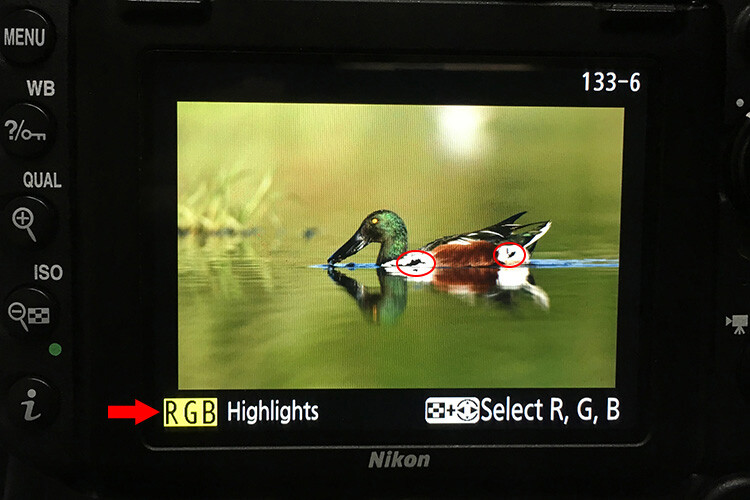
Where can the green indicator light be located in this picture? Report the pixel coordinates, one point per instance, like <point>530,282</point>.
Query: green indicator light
<point>55,349</point>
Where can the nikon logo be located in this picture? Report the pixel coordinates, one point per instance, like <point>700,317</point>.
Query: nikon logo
<point>395,460</point>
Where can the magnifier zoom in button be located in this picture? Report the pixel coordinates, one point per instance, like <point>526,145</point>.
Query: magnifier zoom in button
<point>28,222</point>
<point>23,218</point>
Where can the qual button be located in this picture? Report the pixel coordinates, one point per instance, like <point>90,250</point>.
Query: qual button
<point>27,131</point>
<point>29,311</point>
<point>28,222</point>
<point>27,37</point>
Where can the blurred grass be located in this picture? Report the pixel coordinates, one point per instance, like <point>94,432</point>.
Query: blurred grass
<point>210,208</point>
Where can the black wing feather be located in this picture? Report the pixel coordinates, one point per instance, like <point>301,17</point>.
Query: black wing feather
<point>504,230</point>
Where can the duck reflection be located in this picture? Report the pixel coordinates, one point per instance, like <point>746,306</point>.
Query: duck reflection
<point>504,285</point>
<point>386,303</point>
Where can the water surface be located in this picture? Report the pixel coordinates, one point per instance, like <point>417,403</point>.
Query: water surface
<point>248,321</point>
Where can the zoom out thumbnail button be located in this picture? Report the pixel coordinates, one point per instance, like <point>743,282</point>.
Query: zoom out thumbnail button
<point>29,311</point>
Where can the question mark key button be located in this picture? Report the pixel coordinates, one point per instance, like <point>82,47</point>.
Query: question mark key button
<point>26,130</point>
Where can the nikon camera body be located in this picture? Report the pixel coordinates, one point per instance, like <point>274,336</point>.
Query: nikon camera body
<point>547,290</point>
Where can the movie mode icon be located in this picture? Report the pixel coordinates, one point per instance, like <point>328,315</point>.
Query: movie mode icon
<point>451,410</point>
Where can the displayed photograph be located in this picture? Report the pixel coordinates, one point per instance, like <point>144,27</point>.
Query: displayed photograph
<point>379,246</point>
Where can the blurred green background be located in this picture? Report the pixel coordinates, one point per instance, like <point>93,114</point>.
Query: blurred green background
<point>445,170</point>
<point>265,190</point>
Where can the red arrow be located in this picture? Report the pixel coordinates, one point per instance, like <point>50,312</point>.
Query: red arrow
<point>138,411</point>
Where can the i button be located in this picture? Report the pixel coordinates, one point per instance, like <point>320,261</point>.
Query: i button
<point>32,403</point>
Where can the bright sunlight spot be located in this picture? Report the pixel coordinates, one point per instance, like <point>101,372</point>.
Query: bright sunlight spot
<point>461,129</point>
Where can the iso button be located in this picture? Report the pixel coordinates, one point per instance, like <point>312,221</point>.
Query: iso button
<point>28,222</point>
<point>27,37</point>
<point>29,312</point>
<point>28,131</point>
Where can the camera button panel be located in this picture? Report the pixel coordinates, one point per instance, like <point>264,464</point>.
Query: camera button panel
<point>32,403</point>
<point>28,131</point>
<point>27,37</point>
<point>36,319</point>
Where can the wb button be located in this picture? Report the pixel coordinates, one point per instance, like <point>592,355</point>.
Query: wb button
<point>191,412</point>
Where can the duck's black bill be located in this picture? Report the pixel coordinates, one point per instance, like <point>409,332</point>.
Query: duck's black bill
<point>354,245</point>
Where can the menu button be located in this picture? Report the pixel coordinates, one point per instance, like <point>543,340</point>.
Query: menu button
<point>27,37</point>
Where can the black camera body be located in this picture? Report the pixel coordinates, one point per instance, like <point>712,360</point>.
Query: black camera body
<point>93,94</point>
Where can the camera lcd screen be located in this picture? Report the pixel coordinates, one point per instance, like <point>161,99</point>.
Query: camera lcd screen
<point>389,252</point>
<point>267,192</point>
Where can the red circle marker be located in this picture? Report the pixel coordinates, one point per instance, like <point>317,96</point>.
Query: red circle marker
<point>434,264</point>
<point>494,253</point>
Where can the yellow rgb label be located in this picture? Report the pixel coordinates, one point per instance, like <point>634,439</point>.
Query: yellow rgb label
<point>191,412</point>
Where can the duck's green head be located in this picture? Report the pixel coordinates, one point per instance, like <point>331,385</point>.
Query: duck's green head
<point>382,226</point>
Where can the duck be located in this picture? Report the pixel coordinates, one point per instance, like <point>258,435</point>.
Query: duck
<point>480,248</point>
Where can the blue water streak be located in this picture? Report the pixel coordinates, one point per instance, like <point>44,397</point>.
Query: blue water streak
<point>555,263</point>
<point>537,263</point>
